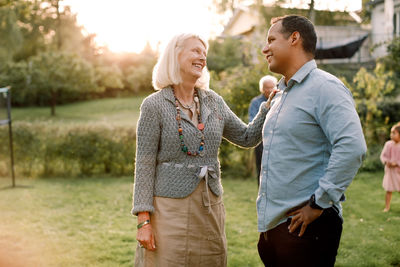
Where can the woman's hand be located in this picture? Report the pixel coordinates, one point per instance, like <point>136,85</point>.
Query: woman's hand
<point>145,234</point>
<point>271,96</point>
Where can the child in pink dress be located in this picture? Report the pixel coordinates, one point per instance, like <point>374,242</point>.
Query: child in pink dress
<point>390,157</point>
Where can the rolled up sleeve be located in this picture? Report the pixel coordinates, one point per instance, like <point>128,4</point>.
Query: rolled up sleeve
<point>340,123</point>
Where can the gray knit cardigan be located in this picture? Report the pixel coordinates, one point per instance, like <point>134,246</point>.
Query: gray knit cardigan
<point>161,168</point>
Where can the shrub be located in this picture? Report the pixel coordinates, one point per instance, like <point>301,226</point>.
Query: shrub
<point>238,86</point>
<point>372,160</point>
<point>45,150</point>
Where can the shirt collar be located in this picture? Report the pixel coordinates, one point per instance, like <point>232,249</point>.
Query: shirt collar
<point>299,75</point>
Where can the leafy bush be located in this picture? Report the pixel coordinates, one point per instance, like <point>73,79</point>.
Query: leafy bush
<point>224,54</point>
<point>75,150</point>
<point>372,160</point>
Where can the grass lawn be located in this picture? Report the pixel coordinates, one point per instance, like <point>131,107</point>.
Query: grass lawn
<point>86,222</point>
<point>118,111</point>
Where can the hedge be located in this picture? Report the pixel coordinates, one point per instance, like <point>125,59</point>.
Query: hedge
<point>44,150</point>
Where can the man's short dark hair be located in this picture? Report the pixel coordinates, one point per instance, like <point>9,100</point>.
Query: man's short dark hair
<point>302,25</point>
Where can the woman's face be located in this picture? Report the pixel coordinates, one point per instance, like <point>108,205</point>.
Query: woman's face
<point>192,59</point>
<point>394,135</point>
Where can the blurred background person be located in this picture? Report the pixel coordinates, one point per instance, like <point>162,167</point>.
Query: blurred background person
<point>390,157</point>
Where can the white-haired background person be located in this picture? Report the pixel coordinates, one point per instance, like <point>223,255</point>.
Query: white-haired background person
<point>177,190</point>
<point>267,85</point>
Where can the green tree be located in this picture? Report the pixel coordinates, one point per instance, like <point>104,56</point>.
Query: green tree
<point>391,62</point>
<point>138,70</point>
<point>56,73</point>
<point>16,75</point>
<point>369,90</point>
<point>238,85</point>
<point>224,53</point>
<point>109,77</point>
<point>11,36</point>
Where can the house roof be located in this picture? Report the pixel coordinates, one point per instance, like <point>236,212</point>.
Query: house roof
<point>250,23</point>
<point>235,16</point>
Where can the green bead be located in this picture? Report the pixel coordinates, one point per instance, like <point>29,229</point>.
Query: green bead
<point>184,149</point>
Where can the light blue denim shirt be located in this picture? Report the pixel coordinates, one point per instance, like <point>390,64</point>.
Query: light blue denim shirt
<point>313,144</point>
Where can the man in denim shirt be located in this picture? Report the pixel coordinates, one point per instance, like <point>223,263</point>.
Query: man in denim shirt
<point>313,147</point>
<point>267,85</point>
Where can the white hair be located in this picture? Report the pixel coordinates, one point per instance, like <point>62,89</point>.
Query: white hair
<point>267,78</point>
<point>166,72</point>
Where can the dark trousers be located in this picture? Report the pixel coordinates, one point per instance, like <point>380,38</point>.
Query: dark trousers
<point>317,247</point>
<point>258,150</point>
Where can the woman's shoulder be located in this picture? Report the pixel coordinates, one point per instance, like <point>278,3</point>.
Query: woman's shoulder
<point>209,93</point>
<point>153,100</point>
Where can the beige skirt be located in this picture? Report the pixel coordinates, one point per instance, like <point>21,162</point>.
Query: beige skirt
<point>187,232</point>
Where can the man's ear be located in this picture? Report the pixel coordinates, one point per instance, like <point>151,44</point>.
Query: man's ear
<point>295,38</point>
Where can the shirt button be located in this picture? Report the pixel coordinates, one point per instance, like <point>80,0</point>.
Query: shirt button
<point>331,202</point>
<point>271,132</point>
<point>263,194</point>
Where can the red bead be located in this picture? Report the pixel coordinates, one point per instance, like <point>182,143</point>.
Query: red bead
<point>200,126</point>
<point>189,153</point>
<point>180,130</point>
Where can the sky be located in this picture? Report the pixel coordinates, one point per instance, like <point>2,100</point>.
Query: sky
<point>126,25</point>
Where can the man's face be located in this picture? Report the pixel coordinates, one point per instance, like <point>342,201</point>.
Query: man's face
<point>277,49</point>
<point>268,86</point>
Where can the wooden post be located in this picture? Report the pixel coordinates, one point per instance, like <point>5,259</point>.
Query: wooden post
<point>10,136</point>
<point>7,92</point>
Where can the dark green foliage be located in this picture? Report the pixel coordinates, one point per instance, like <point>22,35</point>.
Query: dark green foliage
<point>375,92</point>
<point>224,54</point>
<point>45,150</point>
<point>372,160</point>
<point>390,110</point>
<point>346,70</point>
<point>392,62</point>
<point>238,86</point>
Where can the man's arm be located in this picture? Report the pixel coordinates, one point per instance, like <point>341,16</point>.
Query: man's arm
<point>339,121</point>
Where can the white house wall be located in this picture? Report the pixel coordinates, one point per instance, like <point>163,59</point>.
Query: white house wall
<point>336,34</point>
<point>379,27</point>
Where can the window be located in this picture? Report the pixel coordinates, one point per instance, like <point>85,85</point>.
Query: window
<point>396,23</point>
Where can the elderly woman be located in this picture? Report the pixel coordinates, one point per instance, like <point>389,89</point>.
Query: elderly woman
<point>177,191</point>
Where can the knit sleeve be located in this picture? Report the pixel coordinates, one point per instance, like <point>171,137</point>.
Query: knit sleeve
<point>237,132</point>
<point>147,141</point>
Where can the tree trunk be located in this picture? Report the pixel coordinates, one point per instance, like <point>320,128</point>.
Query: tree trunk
<point>59,40</point>
<point>53,102</point>
<point>311,12</point>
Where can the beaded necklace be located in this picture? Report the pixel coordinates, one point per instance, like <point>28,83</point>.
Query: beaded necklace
<point>200,126</point>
